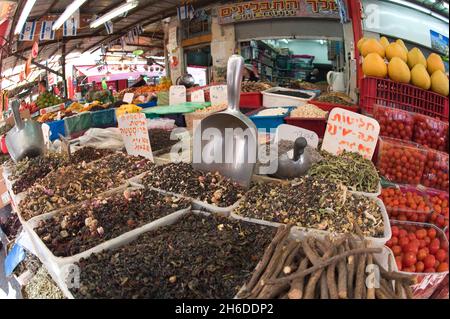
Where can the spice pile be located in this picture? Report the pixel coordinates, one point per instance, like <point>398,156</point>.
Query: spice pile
<point>322,269</point>
<point>11,226</point>
<point>41,286</point>
<point>250,87</point>
<point>181,178</point>
<point>123,166</point>
<point>315,204</point>
<point>65,186</point>
<point>81,228</point>
<point>273,112</point>
<point>309,111</point>
<point>26,172</point>
<point>336,98</point>
<point>88,154</point>
<point>296,94</point>
<point>197,257</point>
<point>350,169</point>
<point>160,139</point>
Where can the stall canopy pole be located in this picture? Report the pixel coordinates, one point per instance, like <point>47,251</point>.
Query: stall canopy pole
<point>355,12</point>
<point>63,65</point>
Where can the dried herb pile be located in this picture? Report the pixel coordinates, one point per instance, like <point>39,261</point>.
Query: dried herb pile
<point>123,166</point>
<point>350,169</point>
<point>313,203</point>
<point>81,228</point>
<point>41,286</point>
<point>323,269</point>
<point>160,139</point>
<point>182,179</point>
<point>10,226</point>
<point>28,171</point>
<point>65,186</point>
<point>197,257</point>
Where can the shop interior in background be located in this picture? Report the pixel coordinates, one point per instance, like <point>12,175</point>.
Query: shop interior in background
<point>286,61</point>
<point>199,63</point>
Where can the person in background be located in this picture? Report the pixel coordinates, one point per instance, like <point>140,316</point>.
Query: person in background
<point>250,74</point>
<point>139,82</point>
<point>92,90</point>
<point>42,86</point>
<point>313,77</point>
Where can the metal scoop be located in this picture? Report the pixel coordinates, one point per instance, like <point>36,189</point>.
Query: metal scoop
<point>26,138</point>
<point>226,142</point>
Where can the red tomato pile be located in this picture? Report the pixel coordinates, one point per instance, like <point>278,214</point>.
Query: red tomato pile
<point>394,122</point>
<point>401,162</point>
<point>405,205</point>
<point>431,132</point>
<point>435,174</point>
<point>418,249</point>
<point>439,216</point>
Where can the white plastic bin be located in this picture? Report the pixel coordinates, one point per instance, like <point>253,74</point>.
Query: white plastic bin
<point>275,100</point>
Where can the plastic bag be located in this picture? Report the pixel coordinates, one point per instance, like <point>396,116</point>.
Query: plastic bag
<point>431,132</point>
<point>394,123</point>
<point>109,138</point>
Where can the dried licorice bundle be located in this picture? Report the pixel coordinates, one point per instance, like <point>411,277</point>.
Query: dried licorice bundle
<point>77,230</point>
<point>197,257</point>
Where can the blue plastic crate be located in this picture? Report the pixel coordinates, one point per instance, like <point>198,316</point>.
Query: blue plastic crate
<point>149,104</point>
<point>268,122</point>
<point>104,118</point>
<point>56,128</point>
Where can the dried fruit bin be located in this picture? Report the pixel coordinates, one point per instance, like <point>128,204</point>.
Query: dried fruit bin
<point>406,203</point>
<point>401,161</point>
<point>427,281</point>
<point>57,265</point>
<point>435,174</point>
<point>402,96</point>
<point>394,123</point>
<point>431,132</point>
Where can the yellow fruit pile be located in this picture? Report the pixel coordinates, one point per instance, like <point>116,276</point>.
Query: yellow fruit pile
<point>403,66</point>
<point>127,109</point>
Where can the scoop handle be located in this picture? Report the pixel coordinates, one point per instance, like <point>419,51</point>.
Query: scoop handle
<point>16,112</point>
<point>234,81</point>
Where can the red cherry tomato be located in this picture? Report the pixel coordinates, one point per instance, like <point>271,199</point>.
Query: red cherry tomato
<point>441,255</point>
<point>397,250</point>
<point>409,259</point>
<point>422,254</point>
<point>402,233</point>
<point>420,266</point>
<point>398,261</point>
<point>403,241</point>
<point>421,233</point>
<point>411,248</point>
<point>432,233</point>
<point>395,231</point>
<point>429,261</point>
<point>443,267</point>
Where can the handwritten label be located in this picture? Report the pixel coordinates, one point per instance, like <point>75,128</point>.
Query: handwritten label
<point>352,132</point>
<point>177,94</point>
<point>198,96</point>
<point>128,98</point>
<point>133,128</point>
<point>219,95</point>
<point>291,133</point>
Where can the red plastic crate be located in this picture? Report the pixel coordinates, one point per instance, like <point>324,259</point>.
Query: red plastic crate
<point>330,106</point>
<point>316,125</point>
<point>251,100</point>
<point>402,96</point>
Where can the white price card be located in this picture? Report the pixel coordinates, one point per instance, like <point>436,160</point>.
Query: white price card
<point>291,133</point>
<point>177,94</point>
<point>46,132</point>
<point>198,96</point>
<point>351,132</point>
<point>128,98</point>
<point>219,95</point>
<point>133,128</point>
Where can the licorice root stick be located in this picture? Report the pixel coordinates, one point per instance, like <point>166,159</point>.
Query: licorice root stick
<point>342,277</point>
<point>360,277</point>
<point>370,290</point>
<point>297,285</point>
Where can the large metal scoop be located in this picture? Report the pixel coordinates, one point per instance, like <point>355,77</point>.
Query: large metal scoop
<point>226,142</point>
<point>26,138</point>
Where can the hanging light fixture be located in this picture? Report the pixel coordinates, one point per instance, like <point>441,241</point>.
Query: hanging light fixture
<point>130,4</point>
<point>24,15</point>
<point>70,10</point>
